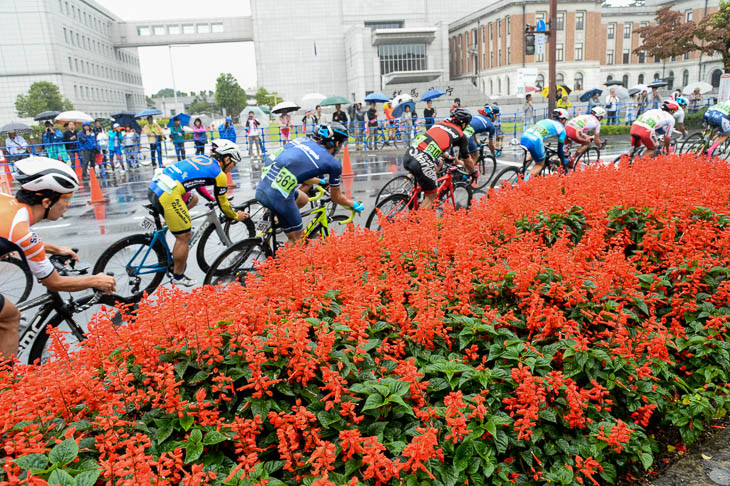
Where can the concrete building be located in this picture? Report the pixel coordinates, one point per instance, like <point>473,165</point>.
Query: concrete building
<point>595,43</point>
<point>66,42</point>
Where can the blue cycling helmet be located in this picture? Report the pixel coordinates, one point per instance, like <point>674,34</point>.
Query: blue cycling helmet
<point>682,101</point>
<point>331,135</point>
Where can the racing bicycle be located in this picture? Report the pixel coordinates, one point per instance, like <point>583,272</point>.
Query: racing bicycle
<point>700,143</point>
<point>511,174</point>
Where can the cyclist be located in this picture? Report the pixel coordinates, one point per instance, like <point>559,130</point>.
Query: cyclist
<point>168,190</point>
<point>46,187</point>
<point>303,161</point>
<point>718,117</point>
<point>533,139</point>
<point>579,128</point>
<point>679,114</point>
<point>420,158</point>
<point>483,123</point>
<point>653,123</point>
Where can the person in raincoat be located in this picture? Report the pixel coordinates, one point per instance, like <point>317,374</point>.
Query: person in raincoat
<point>227,131</point>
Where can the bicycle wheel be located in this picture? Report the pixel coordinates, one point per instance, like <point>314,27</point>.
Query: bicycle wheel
<point>507,177</point>
<point>16,281</point>
<point>487,166</point>
<point>210,244</point>
<point>462,196</point>
<point>391,208</point>
<point>402,184</point>
<point>40,348</point>
<point>335,226</point>
<point>137,267</point>
<point>236,262</point>
<point>690,141</point>
<point>589,158</point>
<point>697,147</point>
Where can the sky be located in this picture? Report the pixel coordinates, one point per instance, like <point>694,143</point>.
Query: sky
<point>196,67</point>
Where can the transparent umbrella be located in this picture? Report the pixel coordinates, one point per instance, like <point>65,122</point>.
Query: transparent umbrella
<point>262,117</point>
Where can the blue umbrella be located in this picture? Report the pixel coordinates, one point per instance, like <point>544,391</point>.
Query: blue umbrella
<point>184,120</point>
<point>589,94</point>
<point>398,110</point>
<point>657,84</point>
<point>432,94</point>
<point>146,113</point>
<point>122,113</point>
<point>377,98</point>
<point>127,120</point>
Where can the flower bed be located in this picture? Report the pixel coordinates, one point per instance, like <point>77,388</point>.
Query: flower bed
<point>558,332</point>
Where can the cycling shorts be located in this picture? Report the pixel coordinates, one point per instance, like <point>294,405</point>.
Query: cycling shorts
<point>423,169</point>
<point>643,135</point>
<point>717,120</point>
<point>473,145</point>
<point>173,209</point>
<point>286,210</point>
<point>534,145</point>
<point>576,135</point>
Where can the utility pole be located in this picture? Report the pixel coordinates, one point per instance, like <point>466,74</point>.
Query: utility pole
<point>552,75</point>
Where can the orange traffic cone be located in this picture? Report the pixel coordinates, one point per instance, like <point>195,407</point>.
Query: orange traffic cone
<point>77,167</point>
<point>347,181</point>
<point>96,196</point>
<point>346,165</point>
<point>231,184</point>
<point>6,178</point>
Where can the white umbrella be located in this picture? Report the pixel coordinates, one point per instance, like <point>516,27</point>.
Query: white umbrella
<point>74,116</point>
<point>311,100</point>
<point>641,87</point>
<point>285,106</point>
<point>204,119</point>
<point>187,129</point>
<point>619,91</point>
<point>262,117</point>
<point>402,98</point>
<point>704,87</point>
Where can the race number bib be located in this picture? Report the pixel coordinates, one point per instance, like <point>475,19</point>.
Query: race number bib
<point>469,131</point>
<point>166,183</point>
<point>285,182</point>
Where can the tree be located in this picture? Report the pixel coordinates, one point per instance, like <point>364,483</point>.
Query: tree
<point>201,104</point>
<point>42,96</point>
<point>670,36</point>
<point>150,102</point>
<point>168,93</point>
<point>229,95</point>
<point>264,97</point>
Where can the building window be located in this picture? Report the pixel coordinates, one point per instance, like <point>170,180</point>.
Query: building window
<point>559,52</point>
<point>670,81</point>
<point>509,54</point>
<point>642,57</point>
<point>540,57</point>
<point>609,56</point>
<point>203,28</point>
<point>625,80</point>
<point>688,16</point>
<point>540,82</point>
<point>580,18</point>
<point>76,91</point>
<point>715,78</point>
<point>627,31</point>
<point>499,86</point>
<point>612,30</point>
<point>656,59</point>
<point>685,78</point>
<point>560,78</point>
<point>398,24</point>
<point>499,29</point>
<point>70,64</point>
<point>158,29</point>
<point>626,56</point>
<point>76,63</point>
<point>499,58</point>
<point>561,20</point>
<point>188,29</point>
<point>609,78</point>
<point>656,76</point>
<point>216,28</point>
<point>173,29</point>
<point>578,82</point>
<point>507,22</point>
<point>402,57</point>
<point>686,55</point>
<point>579,51</point>
<point>641,78</point>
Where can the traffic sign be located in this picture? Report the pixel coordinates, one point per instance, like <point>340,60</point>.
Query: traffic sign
<point>540,43</point>
<point>540,27</point>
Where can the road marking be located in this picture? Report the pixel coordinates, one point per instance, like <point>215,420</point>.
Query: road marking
<point>53,226</point>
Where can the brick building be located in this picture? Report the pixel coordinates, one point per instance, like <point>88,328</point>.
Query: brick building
<point>595,43</point>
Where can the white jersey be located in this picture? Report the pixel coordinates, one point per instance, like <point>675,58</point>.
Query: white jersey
<point>657,120</point>
<point>587,123</point>
<point>679,116</point>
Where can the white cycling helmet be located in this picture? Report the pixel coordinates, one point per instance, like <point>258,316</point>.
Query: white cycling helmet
<point>598,111</point>
<point>38,174</point>
<point>223,147</point>
<point>560,114</point>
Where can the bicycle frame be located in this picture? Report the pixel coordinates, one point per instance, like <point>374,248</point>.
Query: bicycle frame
<point>445,182</point>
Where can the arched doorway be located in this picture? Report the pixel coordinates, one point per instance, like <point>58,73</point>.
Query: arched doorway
<point>685,78</point>
<point>609,78</point>
<point>670,81</point>
<point>641,78</point>
<point>578,82</point>
<point>625,80</point>
<point>540,82</point>
<point>656,76</point>
<point>715,79</point>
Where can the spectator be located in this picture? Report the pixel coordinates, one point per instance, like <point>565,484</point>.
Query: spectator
<point>102,141</point>
<point>284,126</point>
<point>200,137</point>
<point>308,122</point>
<point>612,107</point>
<point>97,128</point>
<point>695,100</point>
<point>414,119</point>
<point>593,101</point>
<point>71,139</point>
<point>339,115</point>
<point>319,116</point>
<point>631,107</point>
<point>16,146</point>
<point>177,135</point>
<point>115,137</point>
<point>389,120</point>
<point>457,104</point>
<point>129,143</point>
<point>358,123</point>
<point>655,98</point>
<point>253,134</point>
<point>52,139</point>
<point>429,113</point>
<point>372,115</point>
<point>642,101</point>
<point>153,132</point>
<point>564,102</point>
<point>227,131</point>
<point>88,148</point>
<point>528,110</point>
<point>406,124</point>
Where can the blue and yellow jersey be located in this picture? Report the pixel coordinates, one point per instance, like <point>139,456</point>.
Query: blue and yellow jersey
<point>193,173</point>
<point>546,129</point>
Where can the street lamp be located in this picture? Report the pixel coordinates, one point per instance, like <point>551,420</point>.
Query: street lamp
<point>172,70</point>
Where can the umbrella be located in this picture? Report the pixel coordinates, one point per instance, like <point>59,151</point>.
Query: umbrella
<point>401,98</point>
<point>128,120</point>
<point>266,109</point>
<point>376,98</point>
<point>703,87</point>
<point>562,90</point>
<point>46,115</point>
<point>74,116</point>
<point>657,84</point>
<point>204,119</point>
<point>621,92</point>
<point>335,100</point>
<point>530,89</point>
<point>285,107</point>
<point>184,120</point>
<point>432,94</point>
<point>257,112</point>
<point>311,100</point>
<point>634,91</point>
<point>122,113</point>
<point>146,113</point>
<point>187,129</point>
<point>613,82</point>
<point>398,110</point>
<point>589,94</point>
<point>640,88</point>
<point>15,127</point>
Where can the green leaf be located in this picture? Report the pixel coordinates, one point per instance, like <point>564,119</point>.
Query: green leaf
<point>164,432</point>
<point>463,455</point>
<point>491,428</point>
<point>64,453</point>
<point>646,460</point>
<point>374,401</point>
<point>502,441</point>
<point>186,421</point>
<point>214,437</point>
<point>32,461</point>
<point>61,477</point>
<point>193,452</point>
<point>88,478</point>
<point>196,435</point>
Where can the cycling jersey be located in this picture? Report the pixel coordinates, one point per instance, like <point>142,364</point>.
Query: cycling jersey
<point>439,138</point>
<point>656,120</point>
<point>718,116</point>
<point>15,227</point>
<point>533,139</point>
<point>587,123</point>
<point>679,116</point>
<point>479,124</point>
